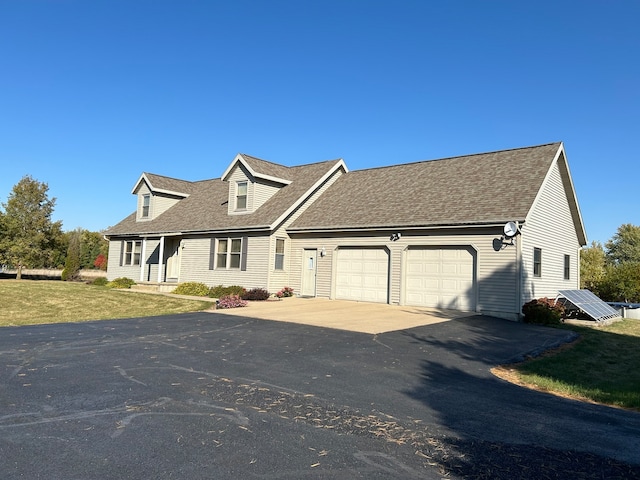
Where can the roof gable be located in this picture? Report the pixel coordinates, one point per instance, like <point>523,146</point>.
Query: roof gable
<point>166,185</point>
<point>560,160</point>
<point>260,169</point>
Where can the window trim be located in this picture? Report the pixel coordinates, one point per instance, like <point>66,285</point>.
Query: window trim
<point>537,262</point>
<point>278,261</point>
<point>242,198</point>
<point>146,206</point>
<point>234,255</point>
<point>131,253</point>
<point>567,267</point>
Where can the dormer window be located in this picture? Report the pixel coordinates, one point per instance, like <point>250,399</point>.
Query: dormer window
<point>146,201</point>
<point>241,196</point>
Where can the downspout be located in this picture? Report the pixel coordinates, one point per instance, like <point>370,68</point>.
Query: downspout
<point>519,271</point>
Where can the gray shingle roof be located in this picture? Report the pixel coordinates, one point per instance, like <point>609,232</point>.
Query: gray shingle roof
<point>159,182</point>
<point>265,167</point>
<point>206,207</point>
<point>474,189</point>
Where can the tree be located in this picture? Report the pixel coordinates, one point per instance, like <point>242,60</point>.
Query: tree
<point>92,245</point>
<point>72,263</point>
<point>592,266</point>
<point>624,246</point>
<point>29,235</point>
<point>621,283</point>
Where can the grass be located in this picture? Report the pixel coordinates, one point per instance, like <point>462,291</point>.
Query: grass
<point>30,302</point>
<point>603,366</point>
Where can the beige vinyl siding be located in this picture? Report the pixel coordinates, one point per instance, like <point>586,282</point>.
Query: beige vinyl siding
<point>282,278</point>
<point>114,269</point>
<point>151,253</point>
<point>158,203</point>
<point>549,227</point>
<point>161,203</point>
<point>495,276</point>
<point>142,191</point>
<point>195,263</point>
<point>263,192</point>
<point>279,278</point>
<point>239,174</point>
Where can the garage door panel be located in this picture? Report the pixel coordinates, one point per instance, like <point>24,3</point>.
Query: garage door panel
<point>362,274</point>
<point>440,277</point>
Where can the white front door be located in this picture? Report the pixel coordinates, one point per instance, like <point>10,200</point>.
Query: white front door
<point>309,259</point>
<point>173,260</point>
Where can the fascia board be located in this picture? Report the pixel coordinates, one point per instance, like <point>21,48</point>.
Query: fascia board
<point>143,178</point>
<point>573,200</point>
<point>403,228</point>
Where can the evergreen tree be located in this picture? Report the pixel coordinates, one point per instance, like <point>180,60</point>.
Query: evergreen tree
<point>72,264</point>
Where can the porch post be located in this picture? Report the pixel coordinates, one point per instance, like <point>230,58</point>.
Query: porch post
<point>143,262</point>
<point>160,259</point>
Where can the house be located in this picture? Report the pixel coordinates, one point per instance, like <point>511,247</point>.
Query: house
<point>483,233</point>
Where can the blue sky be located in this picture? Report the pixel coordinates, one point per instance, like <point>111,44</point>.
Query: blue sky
<point>93,93</point>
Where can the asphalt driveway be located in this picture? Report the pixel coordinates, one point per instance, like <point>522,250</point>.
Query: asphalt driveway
<point>210,395</point>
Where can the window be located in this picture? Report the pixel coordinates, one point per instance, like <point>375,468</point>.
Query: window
<point>537,262</point>
<point>229,253</point>
<point>132,251</point>
<point>146,201</point>
<point>241,196</point>
<point>567,267</point>
<point>222,254</point>
<point>236,253</point>
<point>279,263</point>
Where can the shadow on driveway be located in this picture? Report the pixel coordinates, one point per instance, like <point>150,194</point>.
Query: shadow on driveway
<point>506,431</point>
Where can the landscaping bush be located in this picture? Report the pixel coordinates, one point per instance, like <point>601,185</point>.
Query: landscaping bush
<point>231,301</point>
<point>98,281</point>
<point>256,294</point>
<point>285,292</point>
<point>121,282</point>
<point>192,288</point>
<point>543,311</point>
<point>220,291</point>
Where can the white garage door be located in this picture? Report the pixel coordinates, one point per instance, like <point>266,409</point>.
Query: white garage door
<point>362,274</point>
<point>440,277</point>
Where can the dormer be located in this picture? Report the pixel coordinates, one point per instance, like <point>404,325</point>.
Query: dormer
<point>156,194</point>
<point>251,183</point>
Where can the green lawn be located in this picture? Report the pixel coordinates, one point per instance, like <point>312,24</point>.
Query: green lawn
<point>603,366</point>
<point>29,302</point>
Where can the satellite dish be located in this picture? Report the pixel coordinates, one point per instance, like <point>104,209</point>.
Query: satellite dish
<point>510,229</point>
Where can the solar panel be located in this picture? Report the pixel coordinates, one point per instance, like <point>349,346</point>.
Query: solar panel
<point>590,304</point>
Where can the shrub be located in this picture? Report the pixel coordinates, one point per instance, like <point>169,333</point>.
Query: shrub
<point>220,291</point>
<point>121,282</point>
<point>231,301</point>
<point>543,311</point>
<point>100,262</point>
<point>192,288</point>
<point>285,292</point>
<point>98,281</point>
<point>256,294</point>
